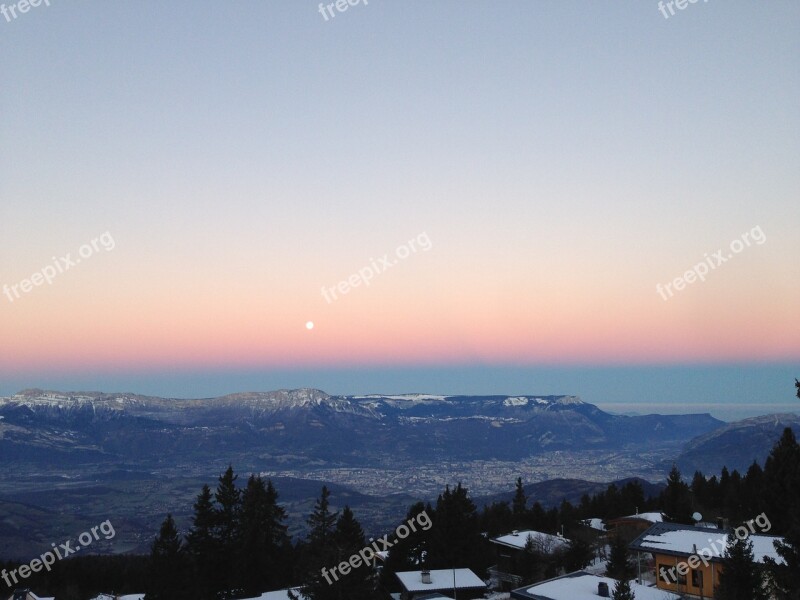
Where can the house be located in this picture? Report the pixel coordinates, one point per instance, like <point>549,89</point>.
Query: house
<point>632,525</point>
<point>581,585</point>
<point>512,562</point>
<point>279,595</point>
<point>421,584</point>
<point>594,523</point>
<point>687,559</point>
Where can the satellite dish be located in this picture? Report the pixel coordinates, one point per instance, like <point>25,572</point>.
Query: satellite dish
<point>697,517</point>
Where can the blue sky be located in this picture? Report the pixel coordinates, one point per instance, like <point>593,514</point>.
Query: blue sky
<point>563,157</point>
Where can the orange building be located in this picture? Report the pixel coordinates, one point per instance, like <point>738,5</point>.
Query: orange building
<point>687,559</point>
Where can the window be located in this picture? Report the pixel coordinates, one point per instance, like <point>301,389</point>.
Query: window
<point>697,578</point>
<point>667,574</point>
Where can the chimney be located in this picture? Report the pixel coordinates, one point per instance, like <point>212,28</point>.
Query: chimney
<point>602,589</point>
<point>515,532</point>
<point>426,576</point>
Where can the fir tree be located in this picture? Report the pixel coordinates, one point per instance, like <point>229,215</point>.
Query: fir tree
<point>349,539</point>
<point>279,546</point>
<point>497,519</point>
<point>168,566</point>
<point>519,505</point>
<point>676,499</point>
<point>753,490</point>
<point>456,539</point>
<point>579,554</point>
<point>740,578</point>
<point>321,522</point>
<point>203,545</point>
<point>632,497</point>
<point>227,516</point>
<point>357,582</point>
<point>623,591</point>
<point>619,564</point>
<point>253,544</point>
<point>782,482</point>
<point>787,574</point>
<point>409,554</point>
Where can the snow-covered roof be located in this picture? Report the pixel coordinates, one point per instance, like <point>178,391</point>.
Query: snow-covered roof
<point>583,586</point>
<point>279,595</point>
<point>650,517</point>
<point>595,523</point>
<point>113,597</point>
<point>441,579</point>
<point>684,540</point>
<point>518,539</point>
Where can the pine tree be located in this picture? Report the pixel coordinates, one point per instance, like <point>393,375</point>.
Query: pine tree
<point>279,549</point>
<point>519,505</point>
<point>408,554</point>
<point>753,490</point>
<point>613,503</point>
<point>349,537</point>
<point>579,554</point>
<point>227,521</point>
<point>253,543</point>
<point>456,539</point>
<point>203,546</point>
<point>497,519</point>
<point>619,564</point>
<point>787,574</point>
<point>632,497</point>
<point>168,566</point>
<point>740,578</point>
<point>699,490</point>
<point>623,591</point>
<point>676,498</point>
<point>782,482</point>
<point>321,522</point>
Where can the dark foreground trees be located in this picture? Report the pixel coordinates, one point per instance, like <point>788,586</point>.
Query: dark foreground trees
<point>740,577</point>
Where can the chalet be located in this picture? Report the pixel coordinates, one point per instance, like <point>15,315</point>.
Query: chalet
<point>510,568</point>
<point>687,559</point>
<point>280,595</point>
<point>424,584</point>
<point>595,523</point>
<point>631,526</point>
<point>581,585</point>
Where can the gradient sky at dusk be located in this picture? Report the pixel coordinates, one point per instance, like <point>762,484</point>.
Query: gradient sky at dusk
<point>562,159</point>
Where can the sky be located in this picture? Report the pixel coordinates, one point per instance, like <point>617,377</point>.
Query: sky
<point>522,197</point>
